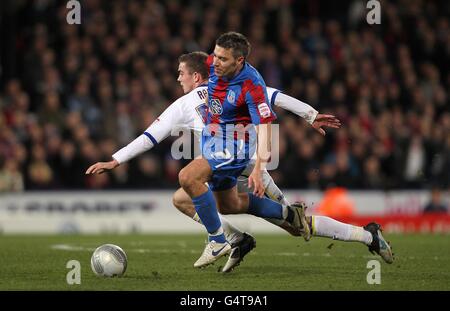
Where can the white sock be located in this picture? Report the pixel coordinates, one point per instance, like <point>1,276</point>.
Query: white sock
<point>328,227</point>
<point>274,193</point>
<point>232,234</point>
<point>218,231</point>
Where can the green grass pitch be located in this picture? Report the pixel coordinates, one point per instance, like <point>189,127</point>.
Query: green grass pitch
<point>279,262</point>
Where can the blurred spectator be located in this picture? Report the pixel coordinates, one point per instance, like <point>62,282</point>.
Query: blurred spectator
<point>373,178</point>
<point>40,175</point>
<point>67,166</point>
<point>51,112</point>
<point>435,205</point>
<point>415,161</point>
<point>147,173</point>
<point>11,179</point>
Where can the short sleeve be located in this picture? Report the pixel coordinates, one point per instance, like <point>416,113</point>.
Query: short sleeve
<point>258,103</point>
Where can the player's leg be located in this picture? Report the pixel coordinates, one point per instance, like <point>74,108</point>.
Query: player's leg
<point>229,198</point>
<point>268,209</point>
<point>241,242</point>
<point>321,226</point>
<point>272,192</point>
<point>369,235</point>
<point>247,243</point>
<point>230,201</point>
<point>184,204</point>
<point>242,187</point>
<point>192,179</point>
<point>324,226</point>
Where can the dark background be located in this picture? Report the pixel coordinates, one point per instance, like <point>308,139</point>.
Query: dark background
<point>71,95</point>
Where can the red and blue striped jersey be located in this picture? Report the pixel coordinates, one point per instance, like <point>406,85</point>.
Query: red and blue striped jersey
<point>240,100</point>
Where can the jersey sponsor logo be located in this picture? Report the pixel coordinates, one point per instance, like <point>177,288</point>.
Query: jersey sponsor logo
<point>231,97</point>
<point>215,106</point>
<point>264,110</point>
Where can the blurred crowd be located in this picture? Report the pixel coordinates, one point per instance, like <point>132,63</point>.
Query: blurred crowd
<point>71,95</point>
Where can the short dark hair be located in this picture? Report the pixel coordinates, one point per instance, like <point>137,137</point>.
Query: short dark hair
<point>235,41</point>
<point>195,62</point>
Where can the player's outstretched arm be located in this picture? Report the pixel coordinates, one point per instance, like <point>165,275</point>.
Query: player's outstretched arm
<point>159,130</point>
<point>101,167</point>
<point>312,116</point>
<point>154,134</point>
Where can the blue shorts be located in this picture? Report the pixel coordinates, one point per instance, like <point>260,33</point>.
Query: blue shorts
<point>224,179</point>
<point>226,165</point>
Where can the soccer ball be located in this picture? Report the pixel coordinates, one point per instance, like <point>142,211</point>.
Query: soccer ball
<point>109,260</point>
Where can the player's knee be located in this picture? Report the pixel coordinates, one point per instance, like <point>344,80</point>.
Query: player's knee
<point>184,178</point>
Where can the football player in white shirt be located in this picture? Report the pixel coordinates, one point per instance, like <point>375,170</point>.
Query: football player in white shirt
<point>187,113</point>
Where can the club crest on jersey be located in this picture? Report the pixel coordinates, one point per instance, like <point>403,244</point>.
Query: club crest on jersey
<point>202,112</point>
<point>215,106</point>
<point>231,97</point>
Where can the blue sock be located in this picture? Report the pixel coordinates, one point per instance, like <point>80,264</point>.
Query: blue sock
<point>264,207</point>
<point>205,205</point>
<point>219,238</point>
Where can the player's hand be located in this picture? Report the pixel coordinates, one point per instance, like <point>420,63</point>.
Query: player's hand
<point>255,180</point>
<point>325,120</point>
<point>101,167</point>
